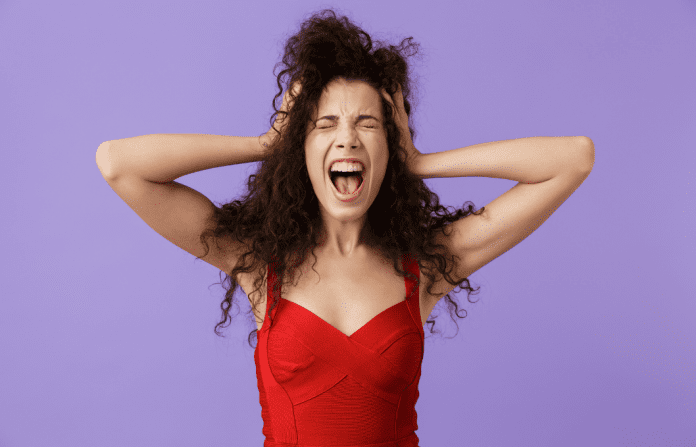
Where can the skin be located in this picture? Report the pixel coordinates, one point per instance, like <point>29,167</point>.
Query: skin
<point>345,233</point>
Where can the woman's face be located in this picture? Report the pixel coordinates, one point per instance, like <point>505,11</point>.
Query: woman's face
<point>349,124</point>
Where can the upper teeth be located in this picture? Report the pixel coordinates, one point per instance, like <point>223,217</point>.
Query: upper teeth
<point>344,166</point>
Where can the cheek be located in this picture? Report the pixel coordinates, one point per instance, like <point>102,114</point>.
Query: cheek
<point>315,169</point>
<point>311,164</point>
<point>384,161</point>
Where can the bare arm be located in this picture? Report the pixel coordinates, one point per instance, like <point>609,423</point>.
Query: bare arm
<point>161,158</point>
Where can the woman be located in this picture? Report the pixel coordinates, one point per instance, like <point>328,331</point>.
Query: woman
<point>340,339</point>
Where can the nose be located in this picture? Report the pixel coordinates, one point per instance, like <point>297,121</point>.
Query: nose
<point>346,136</point>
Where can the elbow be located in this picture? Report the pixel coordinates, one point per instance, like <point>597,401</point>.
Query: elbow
<point>587,142</point>
<point>586,149</point>
<point>103,159</point>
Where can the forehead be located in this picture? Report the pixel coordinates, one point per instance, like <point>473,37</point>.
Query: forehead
<point>344,97</point>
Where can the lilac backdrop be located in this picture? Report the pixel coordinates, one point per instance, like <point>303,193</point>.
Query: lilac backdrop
<point>583,334</point>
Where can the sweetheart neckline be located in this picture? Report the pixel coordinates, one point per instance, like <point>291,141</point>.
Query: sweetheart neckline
<point>405,300</point>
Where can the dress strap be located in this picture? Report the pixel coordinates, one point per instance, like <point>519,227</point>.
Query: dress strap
<point>410,265</point>
<point>272,290</point>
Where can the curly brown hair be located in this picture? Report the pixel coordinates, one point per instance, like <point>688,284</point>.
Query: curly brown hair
<point>280,215</point>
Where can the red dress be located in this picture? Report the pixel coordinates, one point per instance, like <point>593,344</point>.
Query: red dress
<point>319,387</point>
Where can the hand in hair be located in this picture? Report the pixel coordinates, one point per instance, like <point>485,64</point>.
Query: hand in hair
<point>401,119</point>
<point>269,137</point>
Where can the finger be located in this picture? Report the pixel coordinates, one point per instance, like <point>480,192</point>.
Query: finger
<point>287,100</point>
<point>286,95</point>
<point>296,88</point>
<point>386,95</point>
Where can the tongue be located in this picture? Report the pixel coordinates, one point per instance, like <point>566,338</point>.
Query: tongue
<point>347,185</point>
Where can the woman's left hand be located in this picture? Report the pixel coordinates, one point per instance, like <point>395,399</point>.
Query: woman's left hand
<point>401,119</point>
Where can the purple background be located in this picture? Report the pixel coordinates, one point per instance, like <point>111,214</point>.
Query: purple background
<point>583,334</point>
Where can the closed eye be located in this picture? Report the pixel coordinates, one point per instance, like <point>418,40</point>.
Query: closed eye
<point>326,127</point>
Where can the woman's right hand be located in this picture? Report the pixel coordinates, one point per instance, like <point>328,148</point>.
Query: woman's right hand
<point>270,137</point>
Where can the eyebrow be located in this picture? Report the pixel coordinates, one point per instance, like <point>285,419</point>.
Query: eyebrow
<point>360,118</point>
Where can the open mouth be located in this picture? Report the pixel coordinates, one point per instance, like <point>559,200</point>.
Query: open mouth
<point>347,182</point>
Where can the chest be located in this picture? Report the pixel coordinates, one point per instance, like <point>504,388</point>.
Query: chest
<point>346,295</point>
